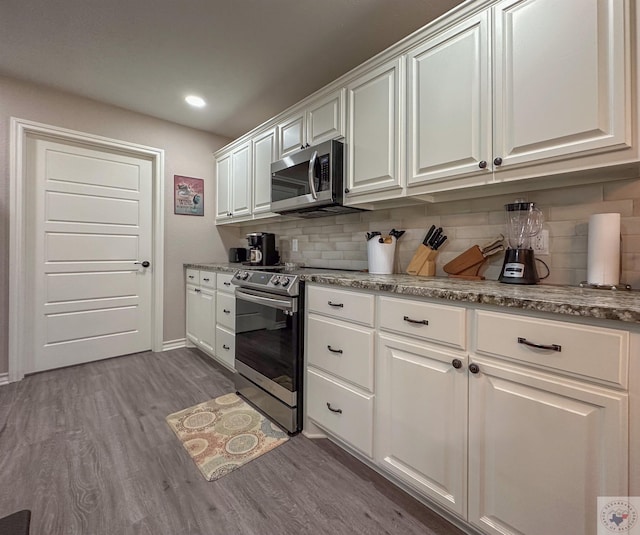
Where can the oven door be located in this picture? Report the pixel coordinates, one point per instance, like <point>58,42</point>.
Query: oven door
<point>268,342</point>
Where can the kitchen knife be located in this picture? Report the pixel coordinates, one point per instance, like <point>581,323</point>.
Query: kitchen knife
<point>435,237</point>
<point>490,245</point>
<point>439,242</point>
<point>490,252</point>
<point>429,234</point>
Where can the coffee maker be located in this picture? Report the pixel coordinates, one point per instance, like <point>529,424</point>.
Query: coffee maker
<point>524,221</point>
<point>262,249</point>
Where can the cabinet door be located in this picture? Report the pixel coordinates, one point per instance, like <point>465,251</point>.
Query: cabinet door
<point>193,313</point>
<point>541,450</point>
<point>241,181</point>
<point>291,134</point>
<point>449,104</point>
<point>559,78</point>
<point>421,419</point>
<point>207,319</point>
<point>264,152</point>
<point>223,187</point>
<point>373,132</point>
<point>326,118</point>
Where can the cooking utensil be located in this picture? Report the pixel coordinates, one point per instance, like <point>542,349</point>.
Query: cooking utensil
<point>397,234</point>
<point>434,237</point>
<point>439,242</point>
<point>373,234</point>
<point>429,234</point>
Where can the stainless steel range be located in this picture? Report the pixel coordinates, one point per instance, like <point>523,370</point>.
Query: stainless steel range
<point>269,343</point>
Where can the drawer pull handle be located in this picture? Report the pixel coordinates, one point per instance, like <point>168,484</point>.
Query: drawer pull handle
<point>421,322</point>
<point>339,411</point>
<point>339,305</point>
<point>226,311</point>
<point>550,347</point>
<point>191,277</point>
<point>224,346</point>
<point>206,280</point>
<point>198,290</point>
<point>226,283</point>
<point>334,350</point>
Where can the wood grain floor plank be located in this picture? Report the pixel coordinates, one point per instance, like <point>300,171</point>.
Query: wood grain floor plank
<point>88,450</point>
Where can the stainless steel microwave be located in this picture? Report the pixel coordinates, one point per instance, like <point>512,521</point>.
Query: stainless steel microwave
<point>310,183</point>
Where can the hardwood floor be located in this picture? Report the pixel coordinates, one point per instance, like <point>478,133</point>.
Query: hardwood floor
<point>87,449</point>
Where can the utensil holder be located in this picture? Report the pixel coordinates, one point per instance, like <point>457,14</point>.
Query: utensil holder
<point>381,255</point>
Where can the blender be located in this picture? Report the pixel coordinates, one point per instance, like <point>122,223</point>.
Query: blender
<point>524,221</point>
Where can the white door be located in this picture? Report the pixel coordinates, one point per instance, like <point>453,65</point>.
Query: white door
<point>449,105</point>
<point>264,152</point>
<point>421,415</point>
<point>541,450</point>
<point>91,222</point>
<point>373,134</point>
<point>326,118</point>
<point>241,180</point>
<point>559,78</point>
<point>223,188</point>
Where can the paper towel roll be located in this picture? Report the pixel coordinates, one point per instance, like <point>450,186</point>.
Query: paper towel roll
<point>603,261</point>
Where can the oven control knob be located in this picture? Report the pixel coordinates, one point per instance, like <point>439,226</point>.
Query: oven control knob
<point>285,282</point>
<point>276,280</point>
<point>239,275</point>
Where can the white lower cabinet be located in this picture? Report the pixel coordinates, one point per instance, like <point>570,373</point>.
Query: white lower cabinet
<point>515,430</point>
<point>421,418</point>
<point>201,310</point>
<point>541,450</point>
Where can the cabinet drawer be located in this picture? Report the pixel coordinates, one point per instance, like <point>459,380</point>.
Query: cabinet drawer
<point>428,321</point>
<point>341,349</point>
<point>224,282</point>
<point>193,276</point>
<point>582,350</point>
<point>225,346</point>
<point>208,279</point>
<point>341,304</point>
<point>226,310</point>
<point>352,416</point>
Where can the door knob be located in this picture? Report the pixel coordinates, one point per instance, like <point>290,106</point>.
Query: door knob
<point>143,264</point>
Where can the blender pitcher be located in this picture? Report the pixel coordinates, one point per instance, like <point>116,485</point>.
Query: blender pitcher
<point>524,221</point>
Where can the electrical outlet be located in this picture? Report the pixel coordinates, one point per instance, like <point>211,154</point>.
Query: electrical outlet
<point>540,243</point>
<point>294,245</point>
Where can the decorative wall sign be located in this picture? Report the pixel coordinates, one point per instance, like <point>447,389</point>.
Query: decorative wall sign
<point>188,195</point>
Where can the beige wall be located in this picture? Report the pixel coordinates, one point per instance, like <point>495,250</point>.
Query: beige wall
<point>187,152</point>
<point>339,241</point>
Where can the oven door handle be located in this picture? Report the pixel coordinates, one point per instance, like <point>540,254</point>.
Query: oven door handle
<point>280,304</point>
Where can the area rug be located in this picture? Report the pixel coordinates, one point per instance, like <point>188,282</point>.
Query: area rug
<point>223,434</point>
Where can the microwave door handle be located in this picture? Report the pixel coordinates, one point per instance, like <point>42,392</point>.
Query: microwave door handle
<point>312,164</point>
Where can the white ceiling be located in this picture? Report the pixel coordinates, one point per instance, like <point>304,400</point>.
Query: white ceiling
<point>250,59</point>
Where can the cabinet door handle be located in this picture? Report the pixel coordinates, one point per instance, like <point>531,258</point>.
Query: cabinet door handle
<point>474,368</point>
<point>456,363</point>
<point>224,346</point>
<point>482,164</point>
<point>550,347</point>
<point>339,411</point>
<point>334,350</point>
<point>338,305</point>
<point>421,322</point>
<point>226,311</point>
<point>226,283</point>
<point>497,161</point>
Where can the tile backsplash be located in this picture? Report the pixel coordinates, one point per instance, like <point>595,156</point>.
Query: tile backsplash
<point>339,241</point>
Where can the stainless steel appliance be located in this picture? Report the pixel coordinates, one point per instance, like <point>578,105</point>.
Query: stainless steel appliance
<point>309,183</point>
<point>262,249</point>
<point>524,221</point>
<point>269,343</point>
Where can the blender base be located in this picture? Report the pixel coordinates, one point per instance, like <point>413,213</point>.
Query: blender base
<point>519,267</point>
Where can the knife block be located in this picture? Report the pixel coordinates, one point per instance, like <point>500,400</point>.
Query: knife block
<point>423,262</point>
<point>466,265</point>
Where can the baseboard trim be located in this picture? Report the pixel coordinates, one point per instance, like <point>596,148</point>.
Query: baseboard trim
<point>174,344</point>
<point>4,379</point>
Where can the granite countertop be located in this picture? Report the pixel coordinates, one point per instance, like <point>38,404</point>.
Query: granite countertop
<point>569,300</point>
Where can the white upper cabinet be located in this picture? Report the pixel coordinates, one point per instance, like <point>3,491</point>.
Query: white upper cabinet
<point>375,102</point>
<point>264,152</point>
<point>233,176</point>
<point>320,120</point>
<point>223,187</point>
<point>449,104</point>
<point>559,85</point>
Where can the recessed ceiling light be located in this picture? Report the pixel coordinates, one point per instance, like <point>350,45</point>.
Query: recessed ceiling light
<point>198,102</point>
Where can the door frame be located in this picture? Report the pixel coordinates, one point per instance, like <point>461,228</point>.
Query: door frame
<point>18,213</point>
